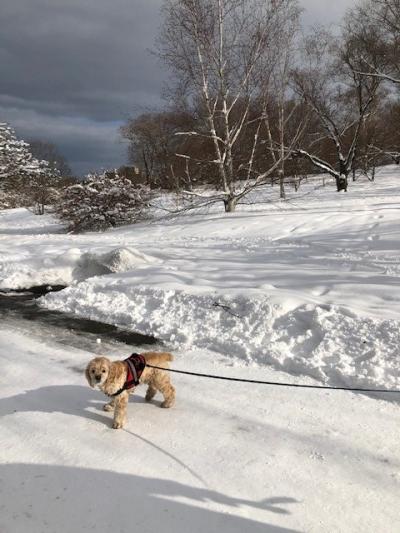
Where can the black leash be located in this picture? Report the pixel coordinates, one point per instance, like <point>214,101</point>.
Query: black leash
<point>274,383</point>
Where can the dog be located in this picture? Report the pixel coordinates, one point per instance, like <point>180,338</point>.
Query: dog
<point>116,380</point>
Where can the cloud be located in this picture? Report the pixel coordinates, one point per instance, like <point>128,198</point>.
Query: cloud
<point>90,145</point>
<point>87,57</point>
<point>72,70</point>
<point>324,12</point>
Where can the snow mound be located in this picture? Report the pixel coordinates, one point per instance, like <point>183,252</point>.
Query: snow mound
<point>328,343</point>
<point>117,260</point>
<point>68,267</point>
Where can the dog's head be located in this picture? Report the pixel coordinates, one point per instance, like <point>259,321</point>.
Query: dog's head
<point>97,371</point>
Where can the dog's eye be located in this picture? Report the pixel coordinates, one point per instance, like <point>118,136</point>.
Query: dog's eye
<point>103,371</point>
<point>92,370</point>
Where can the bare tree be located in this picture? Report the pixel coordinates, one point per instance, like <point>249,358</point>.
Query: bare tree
<point>375,24</point>
<point>152,145</point>
<point>283,127</point>
<point>340,97</point>
<point>44,150</point>
<point>222,52</point>
<point>380,18</point>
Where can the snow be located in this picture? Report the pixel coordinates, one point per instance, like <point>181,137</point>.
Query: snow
<point>44,255</point>
<point>309,286</point>
<point>225,459</point>
<point>303,291</point>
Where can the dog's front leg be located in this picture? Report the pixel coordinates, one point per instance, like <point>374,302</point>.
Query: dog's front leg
<point>110,406</point>
<point>121,403</point>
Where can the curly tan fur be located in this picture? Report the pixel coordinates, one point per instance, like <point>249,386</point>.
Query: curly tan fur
<point>110,376</point>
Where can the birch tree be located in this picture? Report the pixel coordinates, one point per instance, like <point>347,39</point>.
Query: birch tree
<point>340,97</point>
<point>216,50</point>
<point>380,18</point>
<point>283,127</point>
<point>375,24</point>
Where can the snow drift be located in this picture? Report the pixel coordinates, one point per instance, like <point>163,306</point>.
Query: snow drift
<point>326,342</point>
<point>71,266</point>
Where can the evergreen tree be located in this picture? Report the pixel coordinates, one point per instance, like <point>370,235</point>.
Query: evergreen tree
<point>24,180</point>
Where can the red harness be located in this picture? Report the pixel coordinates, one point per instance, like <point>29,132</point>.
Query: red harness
<point>136,363</point>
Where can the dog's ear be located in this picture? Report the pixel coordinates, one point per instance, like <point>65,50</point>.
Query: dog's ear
<point>111,375</point>
<point>87,374</point>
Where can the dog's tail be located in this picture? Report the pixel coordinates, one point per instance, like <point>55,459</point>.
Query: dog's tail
<point>158,358</point>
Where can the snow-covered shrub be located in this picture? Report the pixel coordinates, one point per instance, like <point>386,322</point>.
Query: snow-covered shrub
<point>10,200</point>
<point>24,180</point>
<point>102,201</point>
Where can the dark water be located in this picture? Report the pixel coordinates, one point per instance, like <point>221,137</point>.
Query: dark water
<point>19,309</point>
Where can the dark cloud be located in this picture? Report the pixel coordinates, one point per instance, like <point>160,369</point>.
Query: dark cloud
<point>80,56</point>
<point>73,70</point>
<point>87,144</point>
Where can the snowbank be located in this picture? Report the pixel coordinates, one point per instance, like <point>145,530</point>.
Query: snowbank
<point>326,342</point>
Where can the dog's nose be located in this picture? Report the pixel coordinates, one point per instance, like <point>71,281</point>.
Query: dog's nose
<point>98,378</point>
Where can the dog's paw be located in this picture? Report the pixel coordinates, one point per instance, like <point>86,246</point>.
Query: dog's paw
<point>117,425</point>
<point>150,394</point>
<point>167,404</point>
<point>108,407</point>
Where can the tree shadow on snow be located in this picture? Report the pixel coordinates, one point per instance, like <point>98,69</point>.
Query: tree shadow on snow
<point>50,498</point>
<point>46,498</point>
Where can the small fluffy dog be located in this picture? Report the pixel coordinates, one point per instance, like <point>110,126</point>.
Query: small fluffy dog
<point>112,379</point>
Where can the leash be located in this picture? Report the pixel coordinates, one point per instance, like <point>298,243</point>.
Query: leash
<point>275,383</point>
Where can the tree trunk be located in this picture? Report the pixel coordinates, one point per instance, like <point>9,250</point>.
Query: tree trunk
<point>282,194</point>
<point>230,204</point>
<point>342,182</point>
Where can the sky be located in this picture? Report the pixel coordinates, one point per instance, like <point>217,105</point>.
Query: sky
<point>72,71</point>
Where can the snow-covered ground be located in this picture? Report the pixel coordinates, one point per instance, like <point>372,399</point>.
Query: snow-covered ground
<point>309,287</point>
<point>228,458</point>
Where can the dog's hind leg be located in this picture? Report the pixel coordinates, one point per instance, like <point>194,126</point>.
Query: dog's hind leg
<point>150,393</point>
<point>169,396</point>
<point>163,384</point>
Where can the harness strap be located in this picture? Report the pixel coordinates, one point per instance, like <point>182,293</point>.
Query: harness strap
<point>132,368</point>
<point>136,364</point>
